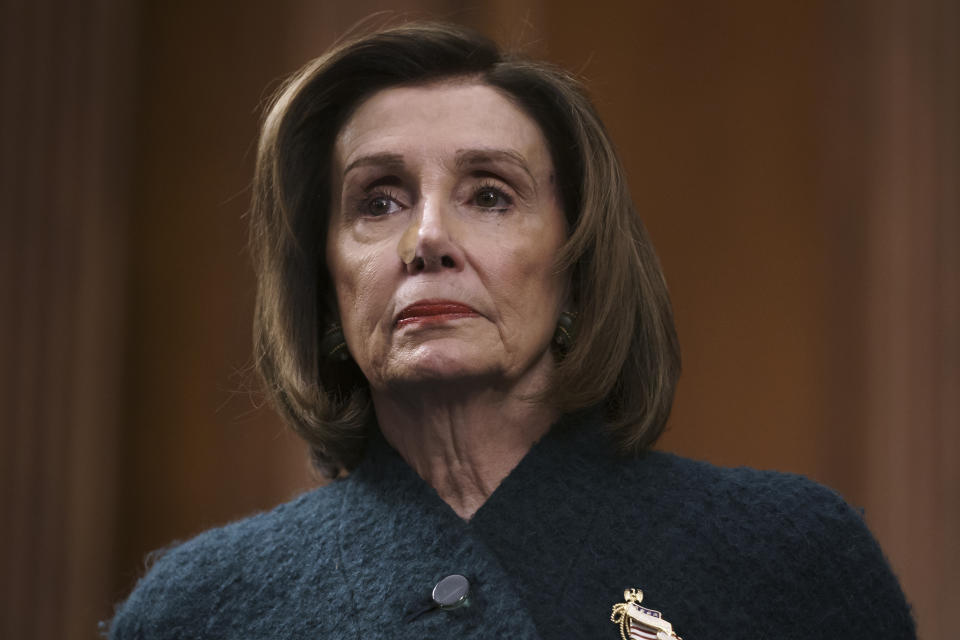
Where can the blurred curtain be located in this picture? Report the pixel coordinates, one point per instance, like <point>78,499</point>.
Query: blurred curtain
<point>66,119</point>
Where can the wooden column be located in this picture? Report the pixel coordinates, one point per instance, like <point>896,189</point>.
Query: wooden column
<point>65,77</point>
<point>912,310</point>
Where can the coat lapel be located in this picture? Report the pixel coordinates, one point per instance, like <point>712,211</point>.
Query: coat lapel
<point>537,522</point>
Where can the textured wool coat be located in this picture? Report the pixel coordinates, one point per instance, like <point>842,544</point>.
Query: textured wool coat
<point>723,553</point>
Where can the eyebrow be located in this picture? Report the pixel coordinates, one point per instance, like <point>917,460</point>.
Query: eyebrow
<point>392,160</point>
<point>464,158</point>
<point>468,157</point>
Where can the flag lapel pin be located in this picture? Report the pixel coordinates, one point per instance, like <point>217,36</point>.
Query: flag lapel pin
<point>639,623</point>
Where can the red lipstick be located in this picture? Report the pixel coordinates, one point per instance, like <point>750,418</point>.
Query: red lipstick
<point>434,311</point>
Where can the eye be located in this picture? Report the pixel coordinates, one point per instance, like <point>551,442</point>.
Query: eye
<point>491,197</point>
<point>379,205</point>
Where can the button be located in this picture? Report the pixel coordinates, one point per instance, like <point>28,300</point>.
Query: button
<point>451,592</point>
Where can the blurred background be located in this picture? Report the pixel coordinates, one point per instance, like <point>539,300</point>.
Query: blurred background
<point>796,163</point>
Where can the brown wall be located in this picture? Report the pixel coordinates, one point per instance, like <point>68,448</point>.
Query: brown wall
<point>796,164</point>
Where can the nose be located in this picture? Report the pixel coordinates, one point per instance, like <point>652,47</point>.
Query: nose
<point>431,241</point>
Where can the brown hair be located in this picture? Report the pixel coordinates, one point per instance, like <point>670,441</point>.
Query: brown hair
<point>625,355</point>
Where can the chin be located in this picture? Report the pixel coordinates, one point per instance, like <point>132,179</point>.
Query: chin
<point>445,363</point>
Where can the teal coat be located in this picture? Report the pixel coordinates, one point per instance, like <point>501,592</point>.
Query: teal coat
<point>722,553</point>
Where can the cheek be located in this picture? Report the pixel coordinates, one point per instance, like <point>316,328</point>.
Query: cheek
<point>539,261</point>
<point>529,286</point>
<point>523,268</point>
<point>361,290</point>
<point>343,284</point>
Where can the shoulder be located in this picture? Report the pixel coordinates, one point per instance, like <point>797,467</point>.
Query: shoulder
<point>750,496</point>
<point>215,583</point>
<point>792,547</point>
<point>763,513</point>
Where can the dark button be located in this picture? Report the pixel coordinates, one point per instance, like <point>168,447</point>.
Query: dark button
<point>451,592</point>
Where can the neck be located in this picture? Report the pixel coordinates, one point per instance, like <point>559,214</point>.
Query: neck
<point>463,443</point>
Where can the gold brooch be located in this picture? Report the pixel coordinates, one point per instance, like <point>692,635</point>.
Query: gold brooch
<point>640,623</point>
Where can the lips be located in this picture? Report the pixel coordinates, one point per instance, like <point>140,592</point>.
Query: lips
<point>428,311</point>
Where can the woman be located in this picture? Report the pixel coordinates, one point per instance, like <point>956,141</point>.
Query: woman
<point>460,311</point>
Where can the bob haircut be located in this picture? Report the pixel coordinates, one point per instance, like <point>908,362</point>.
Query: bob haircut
<point>624,357</point>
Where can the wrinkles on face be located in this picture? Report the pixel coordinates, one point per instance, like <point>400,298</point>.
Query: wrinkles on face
<point>459,176</point>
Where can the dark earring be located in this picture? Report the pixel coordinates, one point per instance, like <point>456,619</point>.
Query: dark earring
<point>333,345</point>
<point>563,336</point>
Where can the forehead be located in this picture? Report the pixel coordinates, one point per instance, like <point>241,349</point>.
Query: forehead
<point>440,118</point>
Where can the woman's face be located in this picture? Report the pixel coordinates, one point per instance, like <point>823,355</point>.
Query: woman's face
<point>444,228</point>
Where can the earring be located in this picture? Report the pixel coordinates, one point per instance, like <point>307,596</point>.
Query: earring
<point>563,336</point>
<point>333,345</point>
